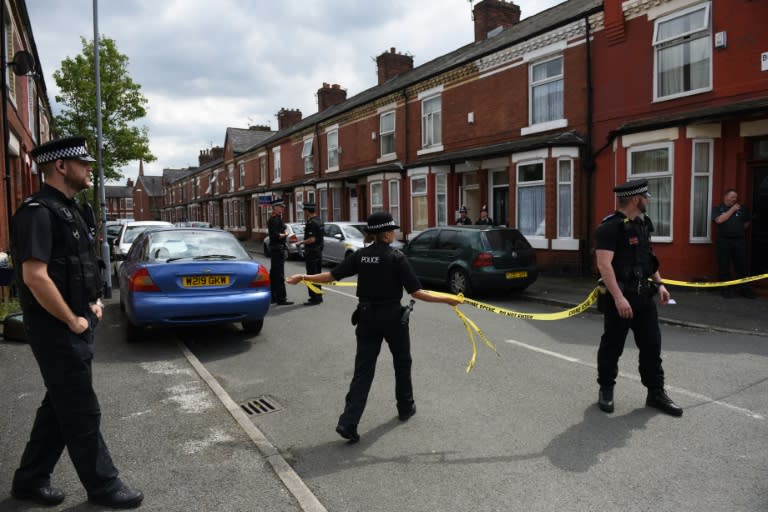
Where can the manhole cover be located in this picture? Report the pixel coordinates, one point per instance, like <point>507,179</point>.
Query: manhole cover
<point>261,405</point>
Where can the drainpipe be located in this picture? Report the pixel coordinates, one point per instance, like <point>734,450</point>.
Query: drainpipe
<point>589,161</point>
<point>4,96</point>
<point>404,165</point>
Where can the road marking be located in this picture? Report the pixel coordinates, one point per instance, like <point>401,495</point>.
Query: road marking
<point>636,378</point>
<point>292,481</point>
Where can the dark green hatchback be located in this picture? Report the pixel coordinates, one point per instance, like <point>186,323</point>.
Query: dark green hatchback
<point>472,258</point>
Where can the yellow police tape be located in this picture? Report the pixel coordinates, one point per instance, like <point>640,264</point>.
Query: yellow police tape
<point>715,284</point>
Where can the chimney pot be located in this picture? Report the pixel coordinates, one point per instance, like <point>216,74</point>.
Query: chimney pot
<point>391,64</point>
<point>492,14</point>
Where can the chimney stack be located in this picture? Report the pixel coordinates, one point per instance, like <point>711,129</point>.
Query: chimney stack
<point>491,14</point>
<point>209,155</point>
<point>129,183</point>
<point>330,95</point>
<point>287,118</point>
<point>260,128</point>
<point>390,64</point>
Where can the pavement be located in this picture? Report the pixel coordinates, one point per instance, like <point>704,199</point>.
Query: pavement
<point>174,432</point>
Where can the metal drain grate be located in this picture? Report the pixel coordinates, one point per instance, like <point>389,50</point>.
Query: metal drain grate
<point>261,405</point>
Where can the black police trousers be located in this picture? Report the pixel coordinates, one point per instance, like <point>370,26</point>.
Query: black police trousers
<point>277,274</point>
<point>731,250</point>
<point>69,414</point>
<point>645,327</point>
<point>377,323</point>
<point>314,264</point>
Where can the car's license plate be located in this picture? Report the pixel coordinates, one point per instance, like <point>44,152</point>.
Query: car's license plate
<point>194,281</point>
<point>517,275</point>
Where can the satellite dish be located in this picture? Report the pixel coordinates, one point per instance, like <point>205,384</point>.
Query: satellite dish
<point>22,63</point>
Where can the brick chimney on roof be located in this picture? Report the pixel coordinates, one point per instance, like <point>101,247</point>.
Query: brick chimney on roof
<point>330,95</point>
<point>491,14</point>
<point>287,118</point>
<point>209,155</point>
<point>390,64</point>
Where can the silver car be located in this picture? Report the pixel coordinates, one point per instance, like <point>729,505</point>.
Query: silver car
<point>343,238</point>
<point>291,249</point>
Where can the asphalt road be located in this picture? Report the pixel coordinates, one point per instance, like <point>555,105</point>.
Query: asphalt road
<point>521,431</point>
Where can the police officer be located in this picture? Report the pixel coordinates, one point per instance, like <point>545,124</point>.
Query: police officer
<point>732,220</point>
<point>629,270</point>
<point>277,234</point>
<point>484,219</point>
<point>313,249</point>
<point>59,291</point>
<point>382,272</point>
<point>463,219</point>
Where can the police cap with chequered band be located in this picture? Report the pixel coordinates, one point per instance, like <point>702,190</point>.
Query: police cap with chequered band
<point>632,188</point>
<point>380,222</point>
<point>277,202</point>
<point>67,148</point>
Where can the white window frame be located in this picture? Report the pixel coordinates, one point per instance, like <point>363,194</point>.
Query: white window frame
<point>415,195</point>
<point>394,199</point>
<point>708,173</point>
<point>231,176</point>
<point>336,202</point>
<point>306,155</point>
<point>441,189</point>
<point>332,140</point>
<point>322,197</point>
<point>665,174</point>
<point>276,166</point>
<point>31,103</point>
<point>537,241</point>
<point>685,38</point>
<point>431,124</point>
<point>377,199</point>
<point>387,134</point>
<point>263,169</point>
<point>560,206</point>
<point>546,124</point>
<point>242,175</point>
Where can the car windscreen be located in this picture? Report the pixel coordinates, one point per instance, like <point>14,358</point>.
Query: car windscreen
<point>131,232</point>
<point>298,228</point>
<point>354,231</point>
<point>504,240</point>
<point>165,245</point>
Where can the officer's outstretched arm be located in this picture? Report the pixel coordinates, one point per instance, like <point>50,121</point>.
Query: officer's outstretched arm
<point>48,296</point>
<point>324,277</point>
<point>428,297</point>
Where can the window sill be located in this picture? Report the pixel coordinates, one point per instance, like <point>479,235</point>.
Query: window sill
<point>332,169</point>
<point>700,241</point>
<point>538,242</point>
<point>659,99</point>
<point>565,244</point>
<point>431,149</point>
<point>386,158</point>
<point>544,127</point>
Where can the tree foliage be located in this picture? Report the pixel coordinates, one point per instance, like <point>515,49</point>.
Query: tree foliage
<point>121,105</point>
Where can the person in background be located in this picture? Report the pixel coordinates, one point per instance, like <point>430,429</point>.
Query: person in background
<point>630,272</point>
<point>60,294</point>
<point>382,273</point>
<point>463,218</point>
<point>277,233</point>
<point>484,219</point>
<point>732,220</point>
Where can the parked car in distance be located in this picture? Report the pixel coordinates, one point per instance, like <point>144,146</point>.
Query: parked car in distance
<point>112,230</point>
<point>341,239</point>
<point>291,249</point>
<point>472,258</point>
<point>191,276</point>
<point>192,224</point>
<point>128,234</point>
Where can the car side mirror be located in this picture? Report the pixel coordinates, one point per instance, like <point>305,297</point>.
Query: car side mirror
<point>338,236</point>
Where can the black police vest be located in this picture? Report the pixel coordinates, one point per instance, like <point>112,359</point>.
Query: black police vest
<point>315,248</point>
<point>633,259</point>
<point>73,266</point>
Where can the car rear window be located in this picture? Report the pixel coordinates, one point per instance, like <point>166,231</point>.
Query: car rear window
<point>504,240</point>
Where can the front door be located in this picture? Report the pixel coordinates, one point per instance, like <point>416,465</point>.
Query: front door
<point>759,221</point>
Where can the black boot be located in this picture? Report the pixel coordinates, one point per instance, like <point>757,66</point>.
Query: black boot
<point>605,398</point>
<point>658,399</point>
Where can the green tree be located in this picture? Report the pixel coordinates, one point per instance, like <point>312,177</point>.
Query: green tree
<point>122,104</point>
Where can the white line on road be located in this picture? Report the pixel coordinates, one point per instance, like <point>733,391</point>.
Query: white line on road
<point>636,378</point>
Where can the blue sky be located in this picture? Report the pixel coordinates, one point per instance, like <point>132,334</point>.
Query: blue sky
<point>205,69</point>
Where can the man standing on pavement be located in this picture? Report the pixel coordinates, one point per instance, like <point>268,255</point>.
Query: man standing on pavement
<point>463,219</point>
<point>59,291</point>
<point>277,233</point>
<point>484,219</point>
<point>313,249</point>
<point>732,220</point>
<point>630,272</point>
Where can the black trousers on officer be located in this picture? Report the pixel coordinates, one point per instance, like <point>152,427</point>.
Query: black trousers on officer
<point>69,414</point>
<point>645,326</point>
<point>731,249</point>
<point>277,274</point>
<point>314,264</point>
<point>379,323</point>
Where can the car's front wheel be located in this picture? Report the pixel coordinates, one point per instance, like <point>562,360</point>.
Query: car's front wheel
<point>253,328</point>
<point>458,281</point>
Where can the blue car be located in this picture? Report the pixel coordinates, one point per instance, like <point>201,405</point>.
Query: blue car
<point>191,276</point>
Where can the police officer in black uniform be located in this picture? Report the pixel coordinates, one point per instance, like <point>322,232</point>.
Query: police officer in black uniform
<point>277,234</point>
<point>463,219</point>
<point>59,291</point>
<point>629,271</point>
<point>484,219</point>
<point>732,220</point>
<point>313,249</point>
<point>382,272</point>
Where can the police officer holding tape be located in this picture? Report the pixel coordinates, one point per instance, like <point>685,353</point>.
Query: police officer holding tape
<point>382,272</point>
<point>630,272</point>
<point>59,291</point>
<point>313,249</point>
